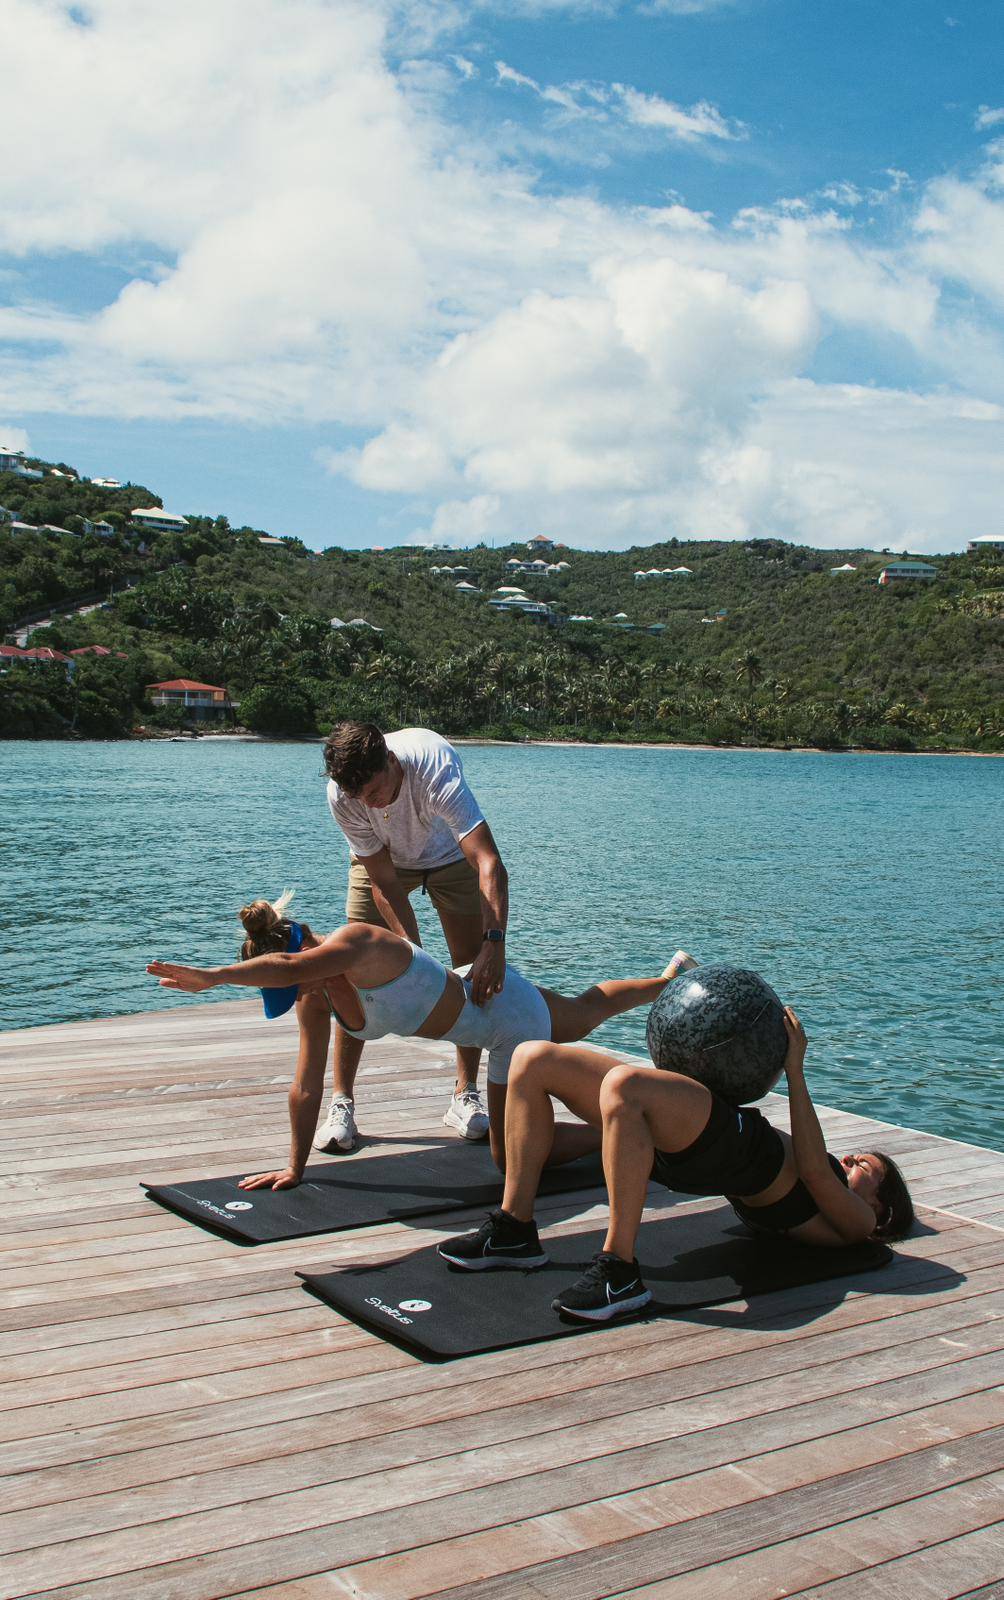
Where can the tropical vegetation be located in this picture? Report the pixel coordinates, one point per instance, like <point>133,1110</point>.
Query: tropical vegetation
<point>762,644</point>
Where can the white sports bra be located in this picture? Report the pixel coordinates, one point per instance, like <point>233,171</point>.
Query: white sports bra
<point>402,1005</point>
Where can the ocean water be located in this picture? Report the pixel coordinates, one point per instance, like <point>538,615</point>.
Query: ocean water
<point>866,889</point>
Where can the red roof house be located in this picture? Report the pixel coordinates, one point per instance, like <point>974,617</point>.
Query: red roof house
<point>201,698</point>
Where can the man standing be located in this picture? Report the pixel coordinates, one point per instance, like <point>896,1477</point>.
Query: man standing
<point>411,821</point>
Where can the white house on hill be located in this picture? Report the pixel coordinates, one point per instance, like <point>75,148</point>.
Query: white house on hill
<point>153,519</point>
<point>13,461</point>
<point>907,572</point>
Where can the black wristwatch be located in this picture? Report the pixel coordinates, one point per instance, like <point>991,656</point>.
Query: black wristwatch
<point>494,936</point>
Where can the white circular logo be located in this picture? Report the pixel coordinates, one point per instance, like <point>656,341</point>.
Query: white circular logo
<point>414,1305</point>
<point>239,1205</point>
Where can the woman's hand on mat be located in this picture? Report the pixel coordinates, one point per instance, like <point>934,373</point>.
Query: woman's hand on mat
<point>172,976</point>
<point>488,973</point>
<point>288,1178</point>
<point>797,1041</point>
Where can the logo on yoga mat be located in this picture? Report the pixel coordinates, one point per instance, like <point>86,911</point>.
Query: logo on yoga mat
<point>239,1205</point>
<point>414,1305</point>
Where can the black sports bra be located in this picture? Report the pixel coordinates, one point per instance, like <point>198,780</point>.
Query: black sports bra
<point>793,1208</point>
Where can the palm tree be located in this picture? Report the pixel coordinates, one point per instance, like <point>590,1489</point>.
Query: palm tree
<point>749,667</point>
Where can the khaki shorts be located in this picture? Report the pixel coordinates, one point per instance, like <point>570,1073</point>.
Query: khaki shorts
<point>453,889</point>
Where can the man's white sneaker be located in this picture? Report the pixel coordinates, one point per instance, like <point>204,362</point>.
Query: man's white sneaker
<point>468,1115</point>
<point>338,1131</point>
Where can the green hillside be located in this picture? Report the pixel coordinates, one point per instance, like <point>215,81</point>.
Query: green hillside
<point>760,645</point>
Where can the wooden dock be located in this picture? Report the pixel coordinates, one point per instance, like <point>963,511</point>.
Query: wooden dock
<point>181,1420</point>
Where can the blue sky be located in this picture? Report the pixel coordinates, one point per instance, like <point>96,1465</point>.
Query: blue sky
<point>419,270</point>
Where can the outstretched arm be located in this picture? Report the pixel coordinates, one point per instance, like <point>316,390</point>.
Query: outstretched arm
<point>276,971</point>
<point>851,1217</point>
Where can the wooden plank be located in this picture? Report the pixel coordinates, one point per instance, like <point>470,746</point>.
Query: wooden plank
<point>702,1480</point>
<point>866,1550</point>
<point>216,1554</point>
<point>911,1332</point>
<point>184,1420</point>
<point>433,1569</point>
<point>934,1573</point>
<point>819,1530</point>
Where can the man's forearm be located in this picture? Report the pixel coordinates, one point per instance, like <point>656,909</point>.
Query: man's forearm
<point>396,909</point>
<point>493,883</point>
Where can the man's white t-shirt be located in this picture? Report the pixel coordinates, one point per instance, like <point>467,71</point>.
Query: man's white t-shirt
<point>433,811</point>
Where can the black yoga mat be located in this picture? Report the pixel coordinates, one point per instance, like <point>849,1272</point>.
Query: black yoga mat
<point>355,1191</point>
<point>697,1257</point>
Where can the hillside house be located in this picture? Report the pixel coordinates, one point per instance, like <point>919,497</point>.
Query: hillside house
<point>516,605</point>
<point>200,701</point>
<point>540,544</point>
<point>985,544</point>
<point>13,461</point>
<point>907,572</point>
<point>834,571</point>
<point>104,530</point>
<point>153,519</point>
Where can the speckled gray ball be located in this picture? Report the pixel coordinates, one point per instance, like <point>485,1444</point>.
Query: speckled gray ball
<point>723,1026</point>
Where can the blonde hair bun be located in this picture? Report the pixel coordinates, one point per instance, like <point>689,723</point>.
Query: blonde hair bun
<point>266,924</point>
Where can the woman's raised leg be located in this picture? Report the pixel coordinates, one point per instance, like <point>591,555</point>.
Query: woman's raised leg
<point>573,1017</point>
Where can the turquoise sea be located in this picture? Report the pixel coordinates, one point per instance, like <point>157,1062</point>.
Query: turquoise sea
<point>867,889</point>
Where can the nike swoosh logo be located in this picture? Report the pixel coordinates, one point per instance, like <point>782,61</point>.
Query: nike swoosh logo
<point>615,1294</point>
<point>498,1248</point>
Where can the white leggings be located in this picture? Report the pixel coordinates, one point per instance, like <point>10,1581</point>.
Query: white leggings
<point>514,1016</point>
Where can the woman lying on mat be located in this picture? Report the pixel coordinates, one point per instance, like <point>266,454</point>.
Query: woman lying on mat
<point>661,1125</point>
<point>373,982</point>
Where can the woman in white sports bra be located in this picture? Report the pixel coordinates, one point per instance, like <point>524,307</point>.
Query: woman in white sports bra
<point>373,982</point>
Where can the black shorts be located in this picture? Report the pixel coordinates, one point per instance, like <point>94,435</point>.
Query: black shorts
<point>737,1152</point>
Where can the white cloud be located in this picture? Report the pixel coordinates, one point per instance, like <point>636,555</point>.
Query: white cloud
<point>988,117</point>
<point>701,121</point>
<point>619,103</point>
<point>843,465</point>
<point>338,250</point>
<point>961,228</point>
<point>14,439</point>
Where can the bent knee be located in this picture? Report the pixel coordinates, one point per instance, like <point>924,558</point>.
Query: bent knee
<point>528,1058</point>
<point>623,1085</point>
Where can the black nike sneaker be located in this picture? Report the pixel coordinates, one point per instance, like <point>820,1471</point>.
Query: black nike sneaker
<point>608,1288</point>
<point>500,1242</point>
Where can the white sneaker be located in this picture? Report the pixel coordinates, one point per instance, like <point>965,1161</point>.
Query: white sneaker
<point>468,1115</point>
<point>338,1131</point>
<point>681,962</point>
